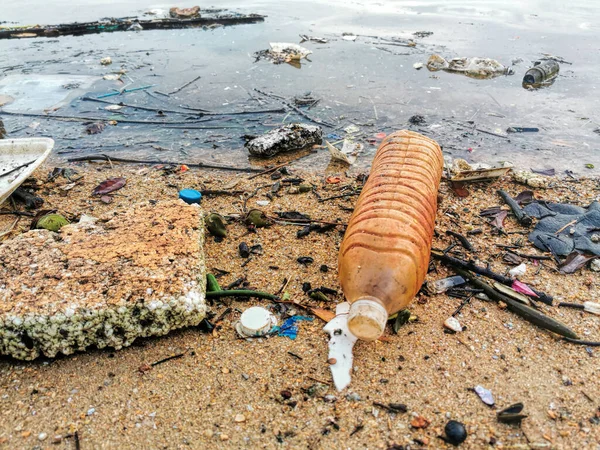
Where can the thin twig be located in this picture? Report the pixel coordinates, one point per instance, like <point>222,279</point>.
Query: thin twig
<point>296,109</point>
<point>265,172</point>
<point>103,157</point>
<point>168,358</point>
<point>17,168</point>
<point>175,91</point>
<point>241,293</point>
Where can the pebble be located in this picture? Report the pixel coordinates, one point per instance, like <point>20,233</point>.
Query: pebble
<point>42,436</point>
<point>224,437</point>
<point>595,266</point>
<point>418,66</point>
<point>57,439</point>
<point>91,411</point>
<point>353,397</point>
<point>595,238</point>
<point>209,433</point>
<point>331,361</point>
<point>330,398</point>
<point>453,324</point>
<point>239,418</point>
<point>456,433</point>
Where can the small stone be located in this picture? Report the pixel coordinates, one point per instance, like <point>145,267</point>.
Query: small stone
<point>57,439</point>
<point>595,265</point>
<point>418,65</point>
<point>42,436</point>
<point>239,418</point>
<point>485,395</point>
<point>331,361</point>
<point>106,61</point>
<point>419,422</point>
<point>225,370</point>
<point>224,437</point>
<point>595,238</point>
<point>286,395</point>
<point>453,324</point>
<point>91,411</point>
<point>330,398</point>
<point>353,397</point>
<point>208,433</point>
<point>26,434</point>
<point>456,433</point>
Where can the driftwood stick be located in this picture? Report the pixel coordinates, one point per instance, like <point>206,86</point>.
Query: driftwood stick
<point>104,157</point>
<point>524,311</point>
<point>468,265</point>
<point>241,293</point>
<point>521,215</point>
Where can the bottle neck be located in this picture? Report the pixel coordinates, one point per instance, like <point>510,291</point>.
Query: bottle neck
<point>367,318</point>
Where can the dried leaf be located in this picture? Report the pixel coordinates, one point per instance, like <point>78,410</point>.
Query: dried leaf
<point>498,221</point>
<point>547,172</point>
<point>575,261</point>
<point>292,215</point>
<point>493,211</point>
<point>523,288</point>
<point>324,314</point>
<point>108,186</point>
<point>458,187</point>
<point>333,180</point>
<point>511,258</point>
<point>524,198</point>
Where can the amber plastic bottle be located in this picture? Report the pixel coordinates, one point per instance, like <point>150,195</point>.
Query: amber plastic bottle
<point>385,252</point>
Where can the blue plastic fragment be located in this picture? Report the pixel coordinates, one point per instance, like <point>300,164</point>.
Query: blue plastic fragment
<point>190,196</point>
<point>334,136</point>
<point>289,328</point>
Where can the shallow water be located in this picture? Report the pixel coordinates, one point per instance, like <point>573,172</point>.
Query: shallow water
<point>357,82</point>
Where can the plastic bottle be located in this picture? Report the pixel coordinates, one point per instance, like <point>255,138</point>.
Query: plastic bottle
<point>384,255</point>
<point>542,71</point>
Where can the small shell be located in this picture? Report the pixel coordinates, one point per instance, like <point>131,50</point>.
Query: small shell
<point>453,324</point>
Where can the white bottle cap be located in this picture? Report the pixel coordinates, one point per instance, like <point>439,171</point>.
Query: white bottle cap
<point>367,319</point>
<point>255,321</point>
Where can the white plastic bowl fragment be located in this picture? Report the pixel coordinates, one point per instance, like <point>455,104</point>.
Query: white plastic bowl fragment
<point>341,343</point>
<point>18,159</point>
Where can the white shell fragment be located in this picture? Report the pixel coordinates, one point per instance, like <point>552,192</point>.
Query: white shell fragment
<point>453,324</point>
<point>348,154</point>
<point>292,51</point>
<point>485,395</point>
<point>518,271</point>
<point>418,65</point>
<point>341,343</point>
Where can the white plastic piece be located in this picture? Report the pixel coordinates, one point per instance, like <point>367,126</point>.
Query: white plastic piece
<point>341,343</point>
<point>255,321</point>
<point>293,51</point>
<point>518,271</point>
<point>592,307</point>
<point>22,157</point>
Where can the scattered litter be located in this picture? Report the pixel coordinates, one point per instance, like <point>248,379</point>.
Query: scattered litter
<point>522,130</point>
<point>319,40</point>
<point>110,185</point>
<point>348,154</point>
<point>263,202</point>
<point>106,61</point>
<point>95,128</point>
<point>575,261</point>
<point>417,119</point>
<point>564,228</point>
<point>184,13</point>
<point>289,328</point>
<point>531,179</point>
<point>349,36</point>
<point>190,196</point>
<point>112,77</point>
<point>441,286</point>
<point>282,52</point>
<point>456,433</point>
<point>255,321</point>
<point>341,343</point>
<point>509,292</point>
<point>480,68</point>
<point>453,324</point>
<point>418,66</point>
<point>351,129</point>
<point>463,171</point>
<point>113,107</point>
<point>485,395</point>
<point>422,34</point>
<point>518,271</point>
<point>287,138</point>
<point>522,288</point>
<point>542,73</point>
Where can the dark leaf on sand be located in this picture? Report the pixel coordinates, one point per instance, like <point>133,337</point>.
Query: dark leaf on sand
<point>402,318</point>
<point>575,261</point>
<point>490,212</point>
<point>547,172</point>
<point>108,186</point>
<point>458,187</point>
<point>498,221</point>
<point>511,258</point>
<point>305,260</point>
<point>95,128</point>
<point>292,215</point>
<point>524,197</point>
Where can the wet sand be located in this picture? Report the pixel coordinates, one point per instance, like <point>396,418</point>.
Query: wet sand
<point>226,392</point>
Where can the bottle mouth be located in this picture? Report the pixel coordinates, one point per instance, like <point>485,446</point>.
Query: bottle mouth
<point>367,319</point>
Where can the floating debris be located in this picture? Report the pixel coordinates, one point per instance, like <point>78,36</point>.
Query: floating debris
<point>295,136</point>
<point>485,395</point>
<point>480,68</point>
<point>418,66</point>
<point>456,433</point>
<point>283,52</point>
<point>184,13</point>
<point>106,61</point>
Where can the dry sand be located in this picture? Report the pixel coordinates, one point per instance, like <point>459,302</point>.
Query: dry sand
<point>226,392</point>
